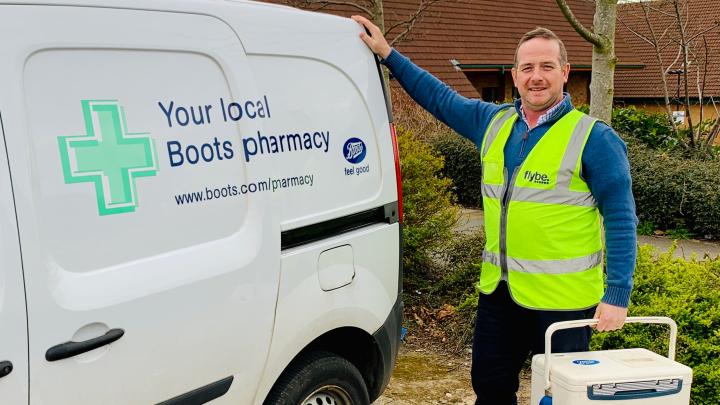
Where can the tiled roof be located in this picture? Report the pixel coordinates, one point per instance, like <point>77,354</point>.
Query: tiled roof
<point>484,32</point>
<point>647,83</point>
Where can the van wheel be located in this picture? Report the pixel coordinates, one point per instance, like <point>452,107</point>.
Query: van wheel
<point>319,378</point>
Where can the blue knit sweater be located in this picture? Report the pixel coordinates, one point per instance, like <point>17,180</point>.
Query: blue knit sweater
<point>605,165</point>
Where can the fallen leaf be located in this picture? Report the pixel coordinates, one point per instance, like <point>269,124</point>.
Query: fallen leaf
<point>445,311</point>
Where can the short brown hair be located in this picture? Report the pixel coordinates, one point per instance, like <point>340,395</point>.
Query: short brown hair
<point>541,32</point>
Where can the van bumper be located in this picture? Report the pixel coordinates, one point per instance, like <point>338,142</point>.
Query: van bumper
<point>387,339</point>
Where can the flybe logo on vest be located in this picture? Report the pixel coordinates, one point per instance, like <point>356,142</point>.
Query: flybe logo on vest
<point>536,177</point>
<point>108,156</point>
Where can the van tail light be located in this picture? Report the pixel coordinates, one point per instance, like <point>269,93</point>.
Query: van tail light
<point>398,175</point>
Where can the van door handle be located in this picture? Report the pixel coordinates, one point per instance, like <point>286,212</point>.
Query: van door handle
<point>6,368</point>
<point>70,349</point>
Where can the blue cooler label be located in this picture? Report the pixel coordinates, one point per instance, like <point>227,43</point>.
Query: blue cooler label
<point>586,362</point>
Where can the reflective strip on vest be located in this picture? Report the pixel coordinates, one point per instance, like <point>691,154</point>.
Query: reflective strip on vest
<point>573,152</point>
<point>492,191</point>
<point>564,197</point>
<point>560,197</point>
<point>498,122</point>
<point>562,266</point>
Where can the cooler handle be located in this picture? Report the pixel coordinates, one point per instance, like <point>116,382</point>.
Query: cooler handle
<point>589,322</point>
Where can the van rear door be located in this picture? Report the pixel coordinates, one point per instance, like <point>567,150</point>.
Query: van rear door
<point>150,275</point>
<point>13,321</point>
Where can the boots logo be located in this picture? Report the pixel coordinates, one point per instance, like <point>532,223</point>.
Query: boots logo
<point>108,156</point>
<point>354,150</point>
<point>536,177</point>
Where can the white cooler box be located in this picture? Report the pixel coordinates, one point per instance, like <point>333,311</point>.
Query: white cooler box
<point>627,377</point>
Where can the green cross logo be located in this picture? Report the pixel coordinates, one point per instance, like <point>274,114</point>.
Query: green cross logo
<point>109,156</point>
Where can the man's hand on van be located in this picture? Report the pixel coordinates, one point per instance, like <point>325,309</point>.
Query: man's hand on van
<point>375,41</point>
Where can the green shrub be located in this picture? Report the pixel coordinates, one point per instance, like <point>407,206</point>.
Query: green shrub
<point>679,234</point>
<point>459,261</point>
<point>459,266</point>
<point>646,228</point>
<point>651,129</point>
<point>687,291</point>
<point>427,202</point>
<point>462,165</point>
<point>676,193</point>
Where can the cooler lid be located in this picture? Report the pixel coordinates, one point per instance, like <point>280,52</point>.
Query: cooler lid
<point>581,369</point>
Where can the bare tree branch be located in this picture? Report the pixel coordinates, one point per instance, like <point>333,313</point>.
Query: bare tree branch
<point>684,48</point>
<point>637,34</point>
<point>679,45</point>
<point>659,11</point>
<point>663,72</point>
<point>713,132</point>
<point>324,3</point>
<point>584,32</point>
<point>716,128</point>
<point>409,22</point>
<point>703,32</point>
<point>677,58</point>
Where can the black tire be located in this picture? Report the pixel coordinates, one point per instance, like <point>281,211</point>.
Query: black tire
<point>319,378</point>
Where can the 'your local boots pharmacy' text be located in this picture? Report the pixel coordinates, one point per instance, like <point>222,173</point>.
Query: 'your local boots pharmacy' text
<point>220,148</point>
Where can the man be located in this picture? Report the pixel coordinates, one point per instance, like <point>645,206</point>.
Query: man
<point>549,172</point>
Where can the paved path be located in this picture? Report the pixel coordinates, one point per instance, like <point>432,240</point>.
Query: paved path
<point>472,219</point>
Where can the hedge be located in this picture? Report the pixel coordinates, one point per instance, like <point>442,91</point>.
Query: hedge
<point>687,291</point>
<point>462,165</point>
<point>673,192</point>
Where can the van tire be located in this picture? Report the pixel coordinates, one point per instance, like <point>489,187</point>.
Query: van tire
<point>321,376</point>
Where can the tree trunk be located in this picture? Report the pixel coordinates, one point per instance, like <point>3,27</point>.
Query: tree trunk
<point>378,18</point>
<point>604,60</point>
<point>603,65</point>
<point>684,44</point>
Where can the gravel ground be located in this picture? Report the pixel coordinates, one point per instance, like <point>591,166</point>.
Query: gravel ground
<point>422,377</point>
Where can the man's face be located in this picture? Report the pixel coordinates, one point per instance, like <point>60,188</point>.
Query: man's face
<point>538,75</point>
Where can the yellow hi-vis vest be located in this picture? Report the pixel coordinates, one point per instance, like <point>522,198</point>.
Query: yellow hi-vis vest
<point>542,226</point>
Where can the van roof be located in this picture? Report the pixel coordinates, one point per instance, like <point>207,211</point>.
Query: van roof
<point>155,5</point>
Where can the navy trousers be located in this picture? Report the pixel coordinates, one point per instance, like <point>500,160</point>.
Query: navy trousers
<point>505,334</point>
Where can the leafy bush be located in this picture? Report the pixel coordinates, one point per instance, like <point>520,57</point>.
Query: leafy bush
<point>459,266</point>
<point>677,193</point>
<point>427,202</point>
<point>687,291</point>
<point>646,228</point>
<point>651,129</point>
<point>679,234</point>
<point>462,165</point>
<point>459,260</point>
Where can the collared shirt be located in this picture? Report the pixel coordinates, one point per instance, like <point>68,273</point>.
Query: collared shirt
<point>543,118</point>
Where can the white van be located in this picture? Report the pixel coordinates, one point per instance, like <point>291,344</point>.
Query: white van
<point>199,201</point>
